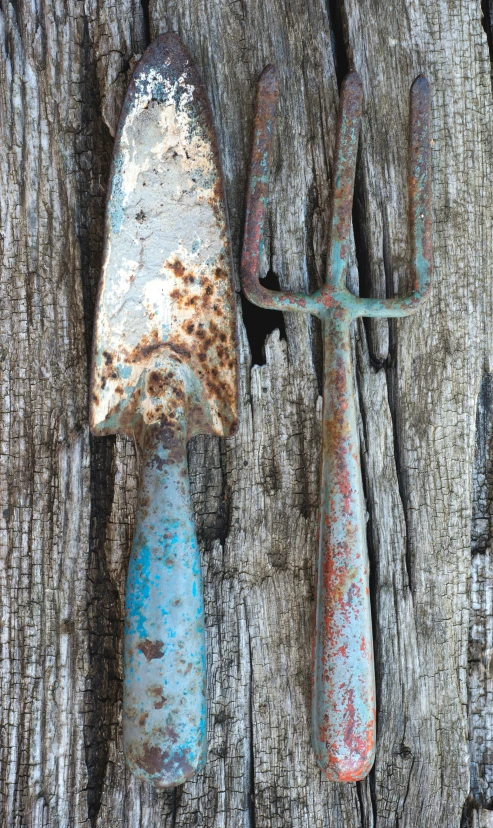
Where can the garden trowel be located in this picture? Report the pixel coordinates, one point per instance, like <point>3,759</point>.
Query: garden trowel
<point>164,370</point>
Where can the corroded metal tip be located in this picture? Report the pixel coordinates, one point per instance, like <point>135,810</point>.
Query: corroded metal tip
<point>268,82</point>
<point>421,86</point>
<point>353,85</point>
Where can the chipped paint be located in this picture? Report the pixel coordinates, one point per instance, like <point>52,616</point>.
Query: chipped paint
<point>164,369</point>
<point>343,697</point>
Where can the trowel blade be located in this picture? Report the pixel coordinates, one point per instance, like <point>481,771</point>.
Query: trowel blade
<point>164,345</point>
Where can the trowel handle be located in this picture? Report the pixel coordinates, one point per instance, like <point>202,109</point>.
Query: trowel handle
<point>343,704</point>
<point>164,707</point>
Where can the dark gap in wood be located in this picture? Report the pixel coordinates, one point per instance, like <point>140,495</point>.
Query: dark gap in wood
<point>259,322</point>
<point>364,816</point>
<point>487,23</point>
<point>482,478</point>
<point>177,794</point>
<point>147,21</point>
<point>105,629</point>
<point>404,750</point>
<point>212,506</point>
<point>337,39</point>
<point>387,258</point>
<point>479,674</point>
<point>224,510</point>
<point>363,257</point>
<point>399,470</point>
<point>93,147</point>
<point>315,279</point>
<point>92,182</point>
<point>373,792</point>
<point>467,817</point>
<point>251,800</point>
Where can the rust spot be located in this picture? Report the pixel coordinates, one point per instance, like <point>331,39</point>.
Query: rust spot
<point>176,267</point>
<point>171,733</point>
<point>151,649</point>
<point>152,759</point>
<point>156,384</point>
<point>178,349</point>
<point>142,718</point>
<point>156,761</point>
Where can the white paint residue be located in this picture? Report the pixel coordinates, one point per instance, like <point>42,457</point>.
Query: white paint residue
<point>126,275</point>
<point>156,301</point>
<point>131,171</point>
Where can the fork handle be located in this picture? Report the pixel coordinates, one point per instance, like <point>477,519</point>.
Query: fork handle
<point>343,703</point>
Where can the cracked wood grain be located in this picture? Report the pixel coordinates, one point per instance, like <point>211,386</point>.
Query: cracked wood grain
<point>424,394</point>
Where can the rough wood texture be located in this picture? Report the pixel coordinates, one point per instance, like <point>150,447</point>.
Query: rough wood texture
<point>425,399</point>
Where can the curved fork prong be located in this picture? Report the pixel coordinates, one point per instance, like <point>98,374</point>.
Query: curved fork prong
<point>257,192</point>
<point>345,154</point>
<point>420,210</point>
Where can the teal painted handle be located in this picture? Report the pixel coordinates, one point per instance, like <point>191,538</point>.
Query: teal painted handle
<point>164,703</point>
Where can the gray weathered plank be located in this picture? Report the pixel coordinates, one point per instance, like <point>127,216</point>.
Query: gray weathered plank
<point>69,501</point>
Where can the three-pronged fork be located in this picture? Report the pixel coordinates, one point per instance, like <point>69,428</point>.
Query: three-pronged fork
<point>343,704</point>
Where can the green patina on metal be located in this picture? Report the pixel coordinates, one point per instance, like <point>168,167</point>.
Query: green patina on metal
<point>343,700</point>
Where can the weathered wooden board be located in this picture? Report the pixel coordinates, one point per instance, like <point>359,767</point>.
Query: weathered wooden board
<point>68,501</point>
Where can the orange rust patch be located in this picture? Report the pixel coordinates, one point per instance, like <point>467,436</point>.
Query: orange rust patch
<point>151,649</point>
<point>176,267</point>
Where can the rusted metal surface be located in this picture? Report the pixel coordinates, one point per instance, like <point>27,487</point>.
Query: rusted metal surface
<point>343,699</point>
<point>164,369</point>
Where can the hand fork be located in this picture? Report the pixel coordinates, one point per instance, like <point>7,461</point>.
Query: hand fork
<point>343,699</point>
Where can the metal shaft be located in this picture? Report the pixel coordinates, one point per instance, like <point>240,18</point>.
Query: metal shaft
<point>164,706</point>
<point>343,701</point>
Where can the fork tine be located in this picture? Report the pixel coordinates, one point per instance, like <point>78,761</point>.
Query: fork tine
<point>257,194</point>
<point>420,184</point>
<point>258,183</point>
<point>420,211</point>
<point>345,155</point>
